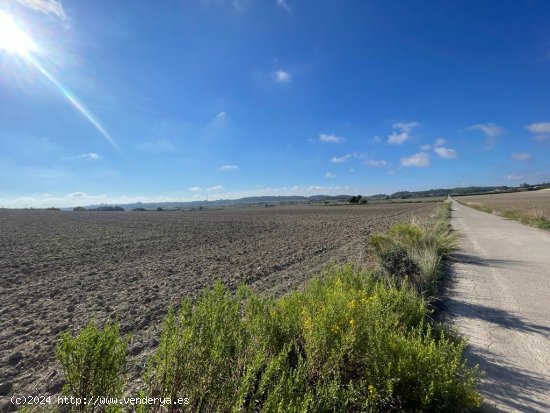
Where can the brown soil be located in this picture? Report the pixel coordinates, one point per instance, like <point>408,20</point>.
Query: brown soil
<point>60,269</point>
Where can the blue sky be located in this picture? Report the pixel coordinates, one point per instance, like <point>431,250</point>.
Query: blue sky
<point>174,100</point>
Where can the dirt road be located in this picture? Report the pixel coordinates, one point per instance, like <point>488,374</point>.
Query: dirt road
<point>499,298</point>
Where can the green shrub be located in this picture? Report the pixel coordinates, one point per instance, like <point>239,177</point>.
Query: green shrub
<point>415,251</point>
<point>93,364</point>
<point>345,343</point>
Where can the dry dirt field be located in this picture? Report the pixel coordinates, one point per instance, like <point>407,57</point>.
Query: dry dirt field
<point>60,269</point>
<point>527,201</point>
<point>517,205</point>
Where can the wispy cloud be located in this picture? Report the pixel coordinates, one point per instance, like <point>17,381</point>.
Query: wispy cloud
<point>329,175</point>
<point>217,122</point>
<point>446,153</point>
<point>420,159</point>
<point>281,76</point>
<point>283,4</point>
<point>77,195</point>
<point>52,8</point>
<point>426,147</point>
<point>491,132</point>
<point>90,155</point>
<point>375,163</point>
<point>228,168</point>
<point>439,142</point>
<point>403,132</point>
<point>540,129</point>
<point>489,129</point>
<point>340,159</point>
<point>522,156</point>
<point>194,189</point>
<point>214,188</point>
<point>326,138</point>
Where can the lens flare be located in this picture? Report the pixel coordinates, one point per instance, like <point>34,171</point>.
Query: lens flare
<point>14,40</point>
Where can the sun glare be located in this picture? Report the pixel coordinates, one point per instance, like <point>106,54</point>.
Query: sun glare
<point>12,38</point>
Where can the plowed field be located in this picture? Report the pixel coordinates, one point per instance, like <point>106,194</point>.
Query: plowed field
<point>60,269</point>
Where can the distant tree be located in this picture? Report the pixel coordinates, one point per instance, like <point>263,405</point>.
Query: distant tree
<point>139,209</point>
<point>160,209</point>
<point>108,208</point>
<point>79,208</point>
<point>362,201</point>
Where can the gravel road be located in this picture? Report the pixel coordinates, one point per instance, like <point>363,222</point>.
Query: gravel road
<point>499,298</point>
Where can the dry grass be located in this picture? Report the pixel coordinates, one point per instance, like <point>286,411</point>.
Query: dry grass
<point>529,207</point>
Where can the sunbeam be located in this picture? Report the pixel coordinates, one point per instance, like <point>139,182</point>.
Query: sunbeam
<point>74,101</point>
<point>14,40</point>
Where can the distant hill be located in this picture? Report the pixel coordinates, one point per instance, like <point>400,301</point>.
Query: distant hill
<point>225,202</point>
<point>294,199</point>
<point>469,190</point>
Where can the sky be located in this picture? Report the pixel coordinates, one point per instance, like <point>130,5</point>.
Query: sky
<point>114,102</point>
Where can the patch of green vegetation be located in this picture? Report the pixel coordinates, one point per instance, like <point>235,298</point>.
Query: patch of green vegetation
<point>536,219</point>
<point>93,364</point>
<point>345,343</point>
<point>359,199</point>
<point>414,252</point>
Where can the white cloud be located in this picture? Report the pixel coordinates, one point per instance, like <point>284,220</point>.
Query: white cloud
<point>229,167</point>
<point>489,129</point>
<point>214,188</point>
<point>281,76</point>
<point>77,195</point>
<point>540,129</point>
<point>90,155</point>
<point>420,159</point>
<point>406,126</point>
<point>425,147</point>
<point>439,142</point>
<point>284,5</point>
<point>329,175</point>
<point>219,120</point>
<point>521,156</point>
<point>323,137</point>
<point>195,189</point>
<point>340,159</point>
<point>514,177</point>
<point>52,8</point>
<point>397,138</point>
<point>375,163</point>
<point>403,132</point>
<point>491,132</point>
<point>446,153</point>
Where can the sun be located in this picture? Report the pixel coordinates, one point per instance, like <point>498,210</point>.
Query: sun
<point>12,38</point>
